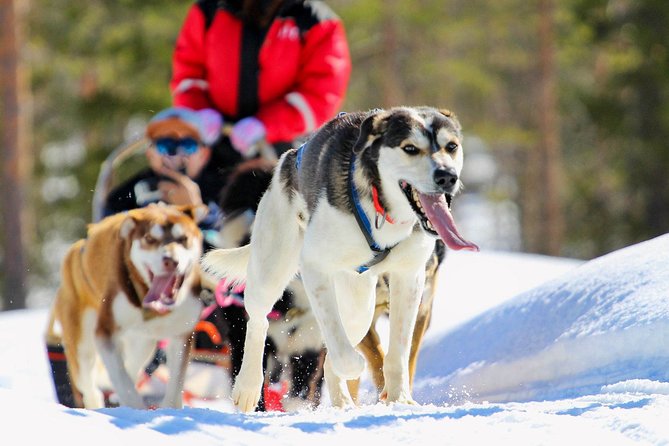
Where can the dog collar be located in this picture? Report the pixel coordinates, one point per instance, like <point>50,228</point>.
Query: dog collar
<point>363,221</point>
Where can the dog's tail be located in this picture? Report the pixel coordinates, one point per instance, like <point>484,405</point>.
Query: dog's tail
<point>229,264</point>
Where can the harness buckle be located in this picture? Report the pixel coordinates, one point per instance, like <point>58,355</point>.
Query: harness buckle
<point>379,220</point>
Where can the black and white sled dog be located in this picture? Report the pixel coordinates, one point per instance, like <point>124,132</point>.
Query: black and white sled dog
<point>365,196</point>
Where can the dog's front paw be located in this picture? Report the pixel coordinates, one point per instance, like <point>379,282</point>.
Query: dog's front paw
<point>172,403</point>
<point>349,365</point>
<point>246,399</point>
<point>341,400</point>
<point>246,392</point>
<point>133,402</point>
<point>397,397</point>
<point>93,400</point>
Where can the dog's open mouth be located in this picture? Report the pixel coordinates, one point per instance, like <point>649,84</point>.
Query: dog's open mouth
<point>435,216</point>
<point>161,295</point>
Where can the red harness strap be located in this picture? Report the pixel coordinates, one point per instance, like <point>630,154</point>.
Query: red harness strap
<point>379,209</point>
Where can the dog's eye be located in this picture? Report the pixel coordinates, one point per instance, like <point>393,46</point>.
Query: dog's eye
<point>183,240</point>
<point>410,149</point>
<point>451,147</point>
<point>150,240</point>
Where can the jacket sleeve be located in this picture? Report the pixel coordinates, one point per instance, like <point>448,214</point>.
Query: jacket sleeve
<point>320,88</point>
<point>189,86</point>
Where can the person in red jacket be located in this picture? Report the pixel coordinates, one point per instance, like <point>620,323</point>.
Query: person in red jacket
<point>275,69</point>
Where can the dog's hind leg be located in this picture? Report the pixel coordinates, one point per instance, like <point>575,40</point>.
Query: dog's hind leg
<point>272,264</point>
<point>371,348</point>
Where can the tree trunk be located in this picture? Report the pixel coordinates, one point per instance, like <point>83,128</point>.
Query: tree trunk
<point>391,85</point>
<point>546,229</point>
<point>13,162</point>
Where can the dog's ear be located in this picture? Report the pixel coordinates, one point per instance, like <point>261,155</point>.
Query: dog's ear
<point>127,226</point>
<point>197,212</point>
<point>450,115</point>
<point>370,129</point>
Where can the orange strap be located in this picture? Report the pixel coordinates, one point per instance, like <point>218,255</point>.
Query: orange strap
<point>211,330</point>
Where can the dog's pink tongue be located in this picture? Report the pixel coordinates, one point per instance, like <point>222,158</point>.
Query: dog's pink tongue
<point>437,212</point>
<point>161,286</point>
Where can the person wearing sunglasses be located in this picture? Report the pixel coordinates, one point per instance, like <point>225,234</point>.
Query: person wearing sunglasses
<point>179,165</point>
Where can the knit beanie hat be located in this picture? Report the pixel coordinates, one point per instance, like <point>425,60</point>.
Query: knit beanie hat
<point>182,122</point>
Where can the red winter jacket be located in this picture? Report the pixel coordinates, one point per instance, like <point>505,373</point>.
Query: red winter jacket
<point>303,67</point>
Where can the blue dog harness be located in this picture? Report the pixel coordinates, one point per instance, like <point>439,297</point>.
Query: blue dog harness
<point>359,213</point>
<point>363,223</point>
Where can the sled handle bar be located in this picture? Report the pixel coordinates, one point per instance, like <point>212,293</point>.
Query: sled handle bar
<point>103,183</point>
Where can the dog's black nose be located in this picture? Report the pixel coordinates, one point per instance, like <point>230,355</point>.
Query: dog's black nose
<point>169,263</point>
<point>446,178</point>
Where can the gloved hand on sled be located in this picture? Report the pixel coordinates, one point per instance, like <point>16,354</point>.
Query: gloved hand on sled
<point>246,134</point>
<point>179,123</point>
<point>211,122</point>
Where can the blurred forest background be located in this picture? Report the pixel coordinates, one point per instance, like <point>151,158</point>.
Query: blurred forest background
<point>565,107</point>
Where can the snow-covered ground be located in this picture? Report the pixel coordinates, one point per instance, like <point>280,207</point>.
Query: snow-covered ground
<point>522,350</point>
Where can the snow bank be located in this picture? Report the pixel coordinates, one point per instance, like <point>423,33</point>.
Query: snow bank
<point>604,322</point>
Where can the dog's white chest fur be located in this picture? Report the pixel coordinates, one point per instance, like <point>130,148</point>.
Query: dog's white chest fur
<point>334,239</point>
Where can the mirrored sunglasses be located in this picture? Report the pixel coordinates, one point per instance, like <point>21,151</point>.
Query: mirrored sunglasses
<point>172,146</point>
